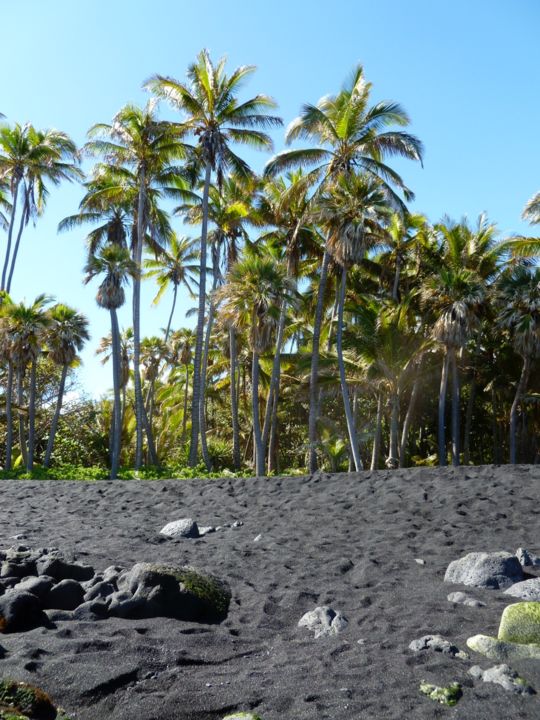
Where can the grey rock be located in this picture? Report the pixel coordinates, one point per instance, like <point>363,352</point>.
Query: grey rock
<point>438,644</point>
<point>323,621</point>
<point>38,586</point>
<point>206,529</point>
<point>67,595</point>
<point>20,611</point>
<point>461,598</point>
<point>419,561</point>
<point>526,590</point>
<point>186,527</point>
<point>527,559</point>
<point>503,675</point>
<point>93,610</point>
<point>54,565</point>
<point>100,590</point>
<point>501,650</point>
<point>497,570</point>
<point>59,615</point>
<point>237,524</point>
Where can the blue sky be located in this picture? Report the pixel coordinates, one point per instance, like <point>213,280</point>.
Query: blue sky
<point>466,72</point>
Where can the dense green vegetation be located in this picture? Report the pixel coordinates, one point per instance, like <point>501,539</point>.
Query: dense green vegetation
<point>334,328</point>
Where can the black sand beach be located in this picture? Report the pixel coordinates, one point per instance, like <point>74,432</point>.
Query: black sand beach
<point>348,541</point>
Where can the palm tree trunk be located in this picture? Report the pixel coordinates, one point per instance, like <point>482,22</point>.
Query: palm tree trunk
<point>139,403</point>
<point>455,410</point>
<point>272,444</point>
<point>257,435</point>
<point>468,420</point>
<point>20,401</point>
<point>408,419</point>
<point>117,411</point>
<point>17,243</point>
<point>31,416</point>
<point>175,293</point>
<point>377,437</point>
<point>392,461</point>
<point>186,389</point>
<point>196,387</point>
<point>204,368</point>
<point>56,417</point>
<point>9,418</point>
<point>395,289</point>
<point>313,379</point>
<point>10,232</point>
<point>442,409</point>
<point>273,388</point>
<point>234,399</point>
<point>351,427</point>
<point>513,411</point>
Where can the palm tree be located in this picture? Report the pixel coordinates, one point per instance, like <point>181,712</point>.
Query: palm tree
<point>140,151</point>
<point>349,136</point>
<point>217,119</point>
<point>351,212</point>
<point>173,266</point>
<point>66,334</point>
<point>126,358</point>
<point>181,345</point>
<point>5,356</point>
<point>27,325</point>
<point>531,212</point>
<point>518,302</point>
<point>251,299</point>
<point>29,159</point>
<point>115,263</point>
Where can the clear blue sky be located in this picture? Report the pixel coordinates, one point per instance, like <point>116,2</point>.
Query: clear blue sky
<point>466,71</point>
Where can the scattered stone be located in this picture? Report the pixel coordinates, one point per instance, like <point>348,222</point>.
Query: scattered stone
<point>20,611</point>
<point>520,623</point>
<point>503,675</point>
<point>93,610</point>
<point>526,590</point>
<point>101,589</point>
<point>461,598</point>
<point>419,561</point>
<point>527,559</point>
<point>54,565</point>
<point>39,586</point>
<point>323,621</point>
<point>237,524</point>
<point>257,538</point>
<point>496,570</point>
<point>438,644</point>
<point>502,651</point>
<point>445,695</point>
<point>186,527</point>
<point>67,595</point>
<point>206,530</point>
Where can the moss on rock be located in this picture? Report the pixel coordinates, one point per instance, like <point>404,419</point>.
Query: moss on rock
<point>444,695</point>
<point>520,623</point>
<point>212,594</point>
<point>27,700</point>
<point>242,716</point>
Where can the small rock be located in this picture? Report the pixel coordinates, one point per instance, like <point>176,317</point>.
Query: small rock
<point>323,621</point>
<point>54,565</point>
<point>67,595</point>
<point>526,590</point>
<point>527,559</point>
<point>242,716</point>
<point>420,561</point>
<point>461,598</point>
<point>237,524</point>
<point>503,675</point>
<point>206,529</point>
<point>38,586</point>
<point>444,695</point>
<point>100,590</point>
<point>20,611</point>
<point>257,538</point>
<point>497,570</point>
<point>438,644</point>
<point>502,651</point>
<point>186,527</point>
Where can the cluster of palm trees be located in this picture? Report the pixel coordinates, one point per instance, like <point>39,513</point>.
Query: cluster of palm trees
<point>342,315</point>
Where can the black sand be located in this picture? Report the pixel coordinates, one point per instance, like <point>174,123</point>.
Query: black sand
<point>258,658</point>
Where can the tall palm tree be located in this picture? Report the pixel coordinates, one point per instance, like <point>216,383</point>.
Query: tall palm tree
<point>174,266</point>
<point>27,325</point>
<point>140,151</point>
<point>251,300</point>
<point>348,135</point>
<point>116,264</point>
<point>29,160</point>
<point>518,302</point>
<point>352,212</point>
<point>217,119</point>
<point>65,336</point>
<point>5,356</point>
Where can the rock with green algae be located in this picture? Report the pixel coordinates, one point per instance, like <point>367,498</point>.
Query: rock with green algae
<point>448,695</point>
<point>23,700</point>
<point>242,716</point>
<point>503,651</point>
<point>520,623</point>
